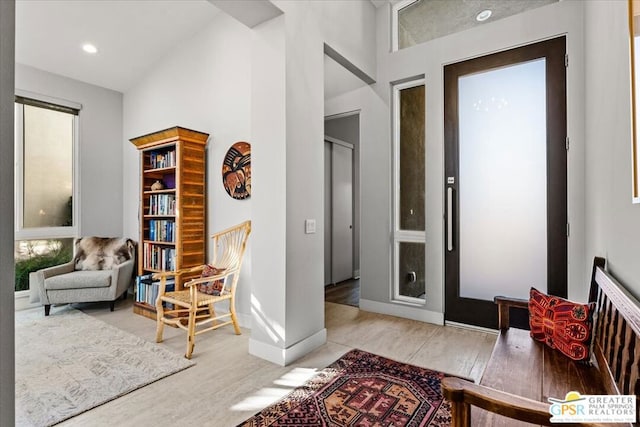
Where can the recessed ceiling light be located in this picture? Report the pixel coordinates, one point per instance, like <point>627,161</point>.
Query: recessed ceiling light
<point>484,15</point>
<point>89,48</point>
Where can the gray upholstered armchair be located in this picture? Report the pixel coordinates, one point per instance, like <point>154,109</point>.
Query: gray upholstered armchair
<point>101,270</point>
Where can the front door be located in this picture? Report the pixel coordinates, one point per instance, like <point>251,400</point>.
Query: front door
<point>505,179</point>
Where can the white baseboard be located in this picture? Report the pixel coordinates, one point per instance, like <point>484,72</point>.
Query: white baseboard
<point>21,301</point>
<point>284,356</point>
<point>471,327</point>
<point>402,310</point>
<point>244,320</point>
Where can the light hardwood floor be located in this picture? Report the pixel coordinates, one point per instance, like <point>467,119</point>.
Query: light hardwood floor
<point>347,292</point>
<point>227,385</point>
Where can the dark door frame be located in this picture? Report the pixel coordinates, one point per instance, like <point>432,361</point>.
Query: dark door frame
<point>484,313</point>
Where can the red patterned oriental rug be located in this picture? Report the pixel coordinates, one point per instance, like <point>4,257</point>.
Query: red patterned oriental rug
<point>362,389</point>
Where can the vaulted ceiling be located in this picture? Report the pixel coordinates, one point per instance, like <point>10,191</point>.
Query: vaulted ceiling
<point>130,36</point>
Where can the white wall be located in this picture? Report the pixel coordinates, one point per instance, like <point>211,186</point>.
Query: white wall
<point>100,149</point>
<point>613,229</point>
<point>202,84</point>
<point>305,172</point>
<point>563,18</point>
<point>269,174</point>
<point>349,27</point>
<point>7,375</point>
<point>307,26</point>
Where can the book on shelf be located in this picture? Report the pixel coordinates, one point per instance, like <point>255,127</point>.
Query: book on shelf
<point>158,257</point>
<point>162,230</point>
<point>147,289</point>
<point>164,159</point>
<point>162,204</point>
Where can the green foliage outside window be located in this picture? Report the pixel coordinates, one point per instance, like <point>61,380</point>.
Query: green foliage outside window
<point>35,255</point>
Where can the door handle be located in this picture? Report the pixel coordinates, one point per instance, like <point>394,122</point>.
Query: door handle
<point>450,219</point>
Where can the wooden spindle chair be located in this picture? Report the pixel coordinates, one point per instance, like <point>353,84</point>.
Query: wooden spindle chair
<point>191,308</point>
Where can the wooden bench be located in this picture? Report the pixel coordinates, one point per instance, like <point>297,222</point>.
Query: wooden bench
<point>523,373</point>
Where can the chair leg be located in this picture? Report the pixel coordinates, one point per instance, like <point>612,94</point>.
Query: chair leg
<point>234,318</point>
<point>191,332</point>
<point>112,305</point>
<point>47,309</point>
<point>212,313</point>
<point>159,322</point>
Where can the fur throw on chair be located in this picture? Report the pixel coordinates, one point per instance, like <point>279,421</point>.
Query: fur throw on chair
<point>102,253</point>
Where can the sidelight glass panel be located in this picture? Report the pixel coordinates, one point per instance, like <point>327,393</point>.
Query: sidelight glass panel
<point>409,195</point>
<point>411,270</point>
<point>412,158</point>
<point>502,181</point>
<point>48,168</point>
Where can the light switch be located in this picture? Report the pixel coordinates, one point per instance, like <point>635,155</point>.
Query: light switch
<point>309,226</point>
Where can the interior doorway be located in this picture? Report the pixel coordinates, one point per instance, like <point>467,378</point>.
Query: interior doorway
<point>342,78</point>
<point>342,231</point>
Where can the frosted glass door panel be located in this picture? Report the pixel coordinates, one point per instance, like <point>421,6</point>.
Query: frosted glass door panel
<point>502,181</point>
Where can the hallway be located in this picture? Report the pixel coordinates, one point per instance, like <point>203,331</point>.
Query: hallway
<point>346,292</point>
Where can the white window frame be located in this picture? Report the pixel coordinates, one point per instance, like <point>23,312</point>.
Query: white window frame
<point>399,235</point>
<point>395,10</point>
<point>44,233</point>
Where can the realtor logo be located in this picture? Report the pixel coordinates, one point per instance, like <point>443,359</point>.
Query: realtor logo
<point>593,408</point>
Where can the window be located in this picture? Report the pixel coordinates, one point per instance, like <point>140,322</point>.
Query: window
<point>418,21</point>
<point>32,255</point>
<point>45,184</point>
<point>409,194</point>
<point>400,34</point>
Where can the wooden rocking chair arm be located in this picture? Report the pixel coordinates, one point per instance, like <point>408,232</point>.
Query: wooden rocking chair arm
<point>161,274</point>
<point>208,279</point>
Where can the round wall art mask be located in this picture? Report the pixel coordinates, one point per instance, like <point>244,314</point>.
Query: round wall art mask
<point>236,170</point>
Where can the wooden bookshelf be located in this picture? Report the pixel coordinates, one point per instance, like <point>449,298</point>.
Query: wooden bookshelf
<point>172,219</point>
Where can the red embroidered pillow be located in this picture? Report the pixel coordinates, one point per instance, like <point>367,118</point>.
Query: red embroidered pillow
<point>213,287</point>
<point>561,324</point>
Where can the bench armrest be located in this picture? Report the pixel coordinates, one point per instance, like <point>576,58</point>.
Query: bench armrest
<point>504,303</point>
<point>462,393</point>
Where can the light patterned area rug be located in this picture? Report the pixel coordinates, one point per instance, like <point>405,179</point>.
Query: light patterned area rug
<point>69,362</point>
